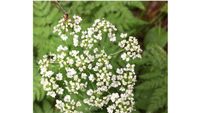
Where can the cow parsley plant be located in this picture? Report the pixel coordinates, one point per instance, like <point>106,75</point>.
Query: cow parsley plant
<point>83,68</point>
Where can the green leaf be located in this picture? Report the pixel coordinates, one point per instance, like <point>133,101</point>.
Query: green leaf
<point>150,75</point>
<point>44,107</point>
<point>158,99</point>
<point>37,109</point>
<point>38,92</point>
<point>151,91</point>
<point>135,4</point>
<point>151,84</point>
<point>47,107</point>
<point>156,35</point>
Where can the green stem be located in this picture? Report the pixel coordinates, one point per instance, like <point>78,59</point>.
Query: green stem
<point>116,52</point>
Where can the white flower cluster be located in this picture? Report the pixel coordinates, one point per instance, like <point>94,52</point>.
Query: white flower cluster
<point>71,27</point>
<point>131,47</point>
<point>95,33</point>
<point>86,70</point>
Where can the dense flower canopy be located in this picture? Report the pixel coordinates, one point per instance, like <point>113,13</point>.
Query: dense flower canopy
<point>86,69</point>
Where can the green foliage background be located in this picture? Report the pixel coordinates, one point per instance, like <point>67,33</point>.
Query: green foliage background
<point>133,17</point>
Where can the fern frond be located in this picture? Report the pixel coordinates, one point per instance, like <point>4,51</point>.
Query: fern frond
<point>151,90</point>
<point>44,107</point>
<point>38,92</point>
<point>152,83</point>
<point>45,14</point>
<point>158,99</point>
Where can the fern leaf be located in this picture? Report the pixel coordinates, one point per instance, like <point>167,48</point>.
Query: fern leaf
<point>38,92</point>
<point>151,84</point>
<point>158,99</point>
<point>44,107</point>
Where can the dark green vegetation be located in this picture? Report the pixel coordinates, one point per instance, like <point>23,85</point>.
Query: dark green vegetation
<point>145,20</point>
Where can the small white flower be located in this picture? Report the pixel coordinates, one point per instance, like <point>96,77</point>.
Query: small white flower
<point>67,98</point>
<point>70,61</point>
<point>111,108</point>
<point>61,56</point>
<point>62,48</point>
<point>55,86</point>
<point>44,81</point>
<point>75,77</point>
<point>123,35</point>
<point>52,94</point>
<point>49,73</point>
<point>43,70</point>
<point>59,104</point>
<point>91,77</point>
<point>95,68</point>
<point>70,72</point>
<point>104,88</point>
<point>122,43</point>
<point>90,31</point>
<point>123,56</point>
<point>75,40</point>
<point>74,53</point>
<point>78,104</point>
<point>122,89</point>
<point>109,66</point>
<point>59,76</point>
<point>99,37</point>
<point>113,39</point>
<point>119,71</point>
<point>114,96</point>
<point>95,50</point>
<point>64,37</point>
<point>115,84</point>
<point>83,75</point>
<point>60,91</point>
<point>89,92</point>
<point>77,28</point>
<point>90,66</point>
<point>77,19</point>
<point>96,21</point>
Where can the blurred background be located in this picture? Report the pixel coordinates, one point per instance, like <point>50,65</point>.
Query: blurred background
<point>148,21</point>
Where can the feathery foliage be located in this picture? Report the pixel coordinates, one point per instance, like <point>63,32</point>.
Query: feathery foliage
<point>44,107</point>
<point>151,89</point>
<point>38,92</point>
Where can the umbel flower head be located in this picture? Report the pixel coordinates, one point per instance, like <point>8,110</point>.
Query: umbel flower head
<point>83,74</point>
